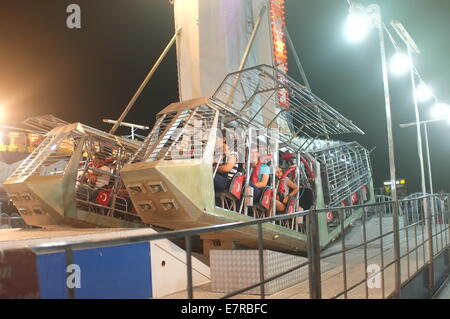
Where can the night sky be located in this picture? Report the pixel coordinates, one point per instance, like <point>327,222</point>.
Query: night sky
<point>89,74</point>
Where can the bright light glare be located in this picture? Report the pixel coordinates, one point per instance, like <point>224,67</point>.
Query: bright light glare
<point>400,63</point>
<point>356,27</point>
<point>440,110</point>
<point>423,92</point>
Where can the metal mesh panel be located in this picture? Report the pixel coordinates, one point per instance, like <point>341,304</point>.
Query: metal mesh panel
<point>251,98</point>
<point>191,139</point>
<point>44,123</point>
<point>170,135</point>
<point>346,169</point>
<point>163,122</point>
<point>178,135</point>
<point>55,151</point>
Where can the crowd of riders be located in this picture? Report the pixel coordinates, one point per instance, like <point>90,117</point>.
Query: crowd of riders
<point>230,167</point>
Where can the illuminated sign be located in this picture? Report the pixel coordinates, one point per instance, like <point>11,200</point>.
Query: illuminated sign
<point>277,19</point>
<point>19,142</point>
<point>67,145</point>
<point>397,182</point>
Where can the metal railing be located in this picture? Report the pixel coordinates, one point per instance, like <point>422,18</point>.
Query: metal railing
<point>368,273</point>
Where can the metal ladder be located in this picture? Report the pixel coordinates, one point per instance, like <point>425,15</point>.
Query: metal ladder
<point>31,163</point>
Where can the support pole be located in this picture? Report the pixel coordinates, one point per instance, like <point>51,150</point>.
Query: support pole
<point>379,24</point>
<point>428,158</point>
<point>274,178</point>
<point>247,176</point>
<point>426,208</point>
<point>262,288</point>
<point>313,244</point>
<point>429,218</point>
<point>419,133</point>
<point>144,83</point>
<point>297,59</point>
<point>190,287</point>
<point>247,52</point>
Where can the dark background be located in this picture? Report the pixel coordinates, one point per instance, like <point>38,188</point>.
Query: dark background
<point>89,74</point>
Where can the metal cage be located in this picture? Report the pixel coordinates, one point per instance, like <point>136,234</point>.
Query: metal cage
<point>264,97</point>
<point>346,169</point>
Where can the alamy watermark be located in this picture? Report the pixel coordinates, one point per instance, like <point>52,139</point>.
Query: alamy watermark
<point>373,276</point>
<point>73,20</point>
<point>74,276</point>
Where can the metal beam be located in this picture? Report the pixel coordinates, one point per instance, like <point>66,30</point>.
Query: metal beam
<point>247,52</point>
<point>134,126</point>
<point>297,59</point>
<point>144,83</point>
<point>423,122</point>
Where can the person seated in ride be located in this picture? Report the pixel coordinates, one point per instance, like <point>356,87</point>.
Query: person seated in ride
<point>228,164</point>
<point>95,179</point>
<point>286,190</point>
<point>123,200</point>
<point>260,173</point>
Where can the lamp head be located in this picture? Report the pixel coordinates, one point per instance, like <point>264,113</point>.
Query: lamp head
<point>440,110</point>
<point>400,63</point>
<point>423,92</point>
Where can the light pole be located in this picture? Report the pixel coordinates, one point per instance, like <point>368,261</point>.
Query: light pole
<point>427,145</point>
<point>373,14</point>
<point>422,92</point>
<point>425,125</point>
<point>429,219</point>
<point>411,46</point>
<point>357,22</point>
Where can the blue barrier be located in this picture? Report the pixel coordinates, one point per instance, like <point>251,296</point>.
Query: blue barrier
<point>122,271</point>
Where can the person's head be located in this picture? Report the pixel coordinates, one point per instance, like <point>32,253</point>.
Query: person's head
<point>254,155</point>
<point>99,159</point>
<point>279,172</point>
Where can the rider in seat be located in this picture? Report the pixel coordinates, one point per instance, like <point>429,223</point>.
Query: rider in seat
<point>286,190</point>
<point>94,179</point>
<point>228,164</point>
<point>260,174</point>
